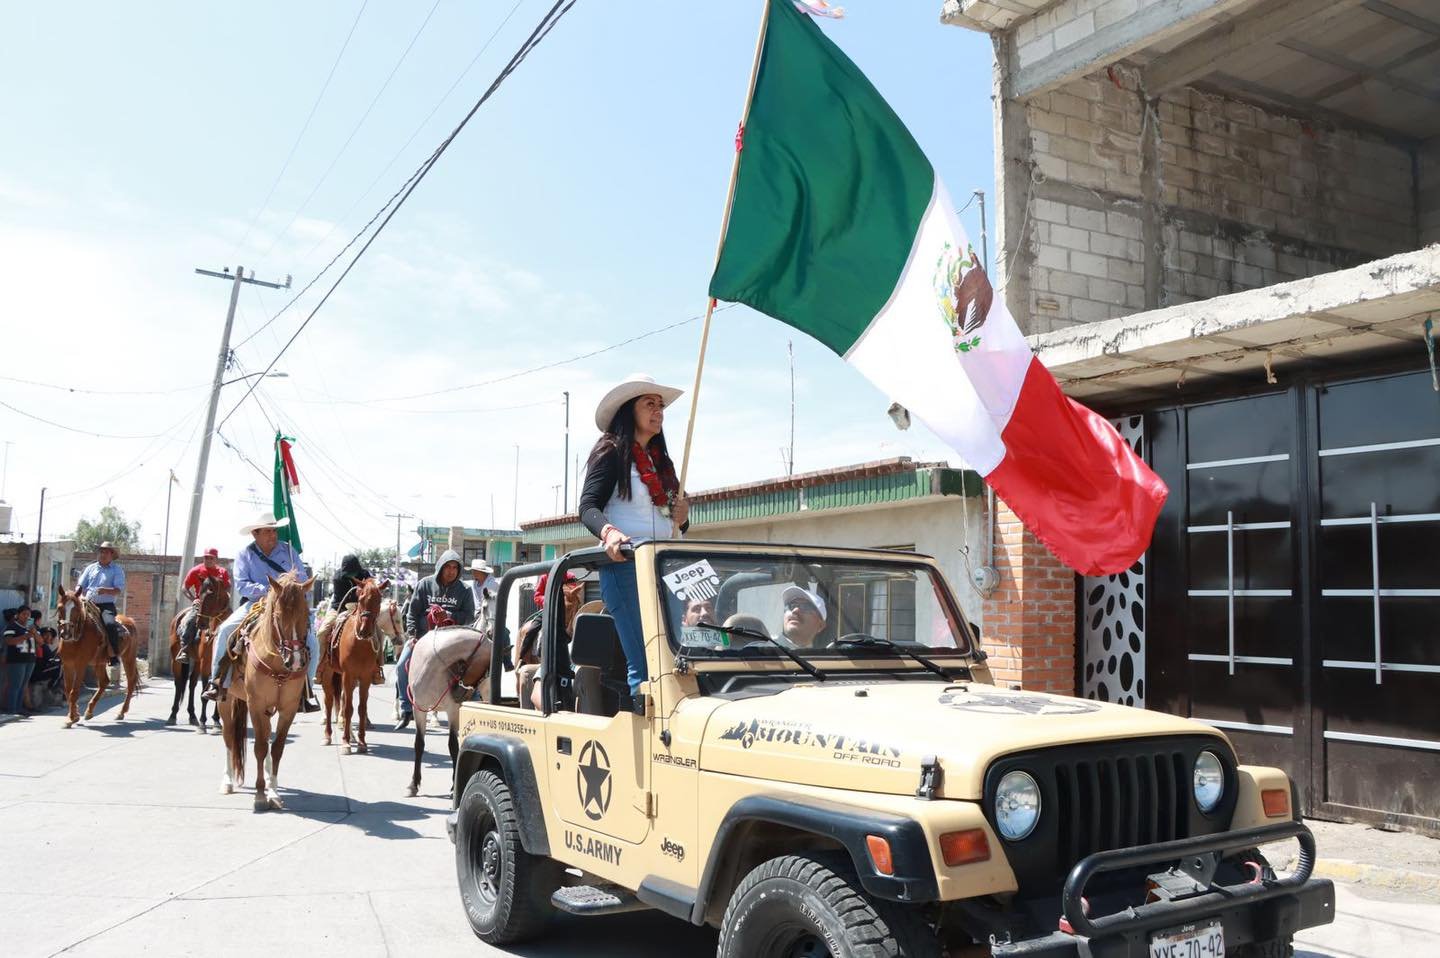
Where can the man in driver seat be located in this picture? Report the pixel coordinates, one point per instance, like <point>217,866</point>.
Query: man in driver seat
<point>804,617</point>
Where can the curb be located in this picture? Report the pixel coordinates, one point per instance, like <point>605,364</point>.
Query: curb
<point>1373,876</point>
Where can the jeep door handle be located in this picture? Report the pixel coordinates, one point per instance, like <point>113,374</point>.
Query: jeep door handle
<point>562,745</point>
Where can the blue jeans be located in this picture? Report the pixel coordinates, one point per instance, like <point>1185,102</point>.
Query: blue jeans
<point>232,622</point>
<point>17,675</point>
<point>402,679</point>
<point>622,600</point>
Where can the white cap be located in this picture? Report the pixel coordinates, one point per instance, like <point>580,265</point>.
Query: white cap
<point>795,592</point>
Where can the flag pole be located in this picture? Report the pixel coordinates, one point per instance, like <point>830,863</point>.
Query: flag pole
<point>720,243</point>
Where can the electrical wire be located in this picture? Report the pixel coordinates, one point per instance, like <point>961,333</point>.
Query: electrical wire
<point>138,461</point>
<point>356,129</point>
<point>406,145</point>
<point>542,30</point>
<point>551,365</point>
<point>306,126</point>
<point>83,432</point>
<point>83,390</point>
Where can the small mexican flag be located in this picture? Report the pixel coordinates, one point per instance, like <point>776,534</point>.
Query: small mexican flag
<point>287,483</point>
<point>841,229</point>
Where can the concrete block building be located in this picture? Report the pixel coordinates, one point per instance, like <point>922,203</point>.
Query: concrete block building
<point>1217,222</point>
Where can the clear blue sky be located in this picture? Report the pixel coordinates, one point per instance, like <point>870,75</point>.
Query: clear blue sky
<point>578,209</point>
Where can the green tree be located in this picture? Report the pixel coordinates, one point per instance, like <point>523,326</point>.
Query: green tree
<point>381,558</point>
<point>111,526</point>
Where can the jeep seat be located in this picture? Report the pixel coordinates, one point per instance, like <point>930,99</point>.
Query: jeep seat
<point>599,660</point>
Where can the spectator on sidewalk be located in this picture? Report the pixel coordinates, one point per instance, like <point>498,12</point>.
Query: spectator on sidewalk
<point>47,672</point>
<point>19,638</point>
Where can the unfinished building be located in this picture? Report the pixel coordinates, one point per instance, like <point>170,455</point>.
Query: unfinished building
<point>1217,222</point>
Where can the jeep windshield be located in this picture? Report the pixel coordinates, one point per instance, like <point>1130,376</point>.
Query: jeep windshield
<point>741,606</point>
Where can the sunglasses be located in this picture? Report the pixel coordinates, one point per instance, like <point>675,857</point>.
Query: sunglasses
<point>800,605</point>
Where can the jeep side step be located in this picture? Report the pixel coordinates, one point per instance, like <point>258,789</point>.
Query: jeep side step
<point>590,900</point>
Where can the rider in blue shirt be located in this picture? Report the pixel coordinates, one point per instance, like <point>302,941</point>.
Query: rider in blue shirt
<point>103,582</point>
<point>255,564</point>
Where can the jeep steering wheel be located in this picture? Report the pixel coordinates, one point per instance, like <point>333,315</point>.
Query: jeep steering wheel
<point>855,638</point>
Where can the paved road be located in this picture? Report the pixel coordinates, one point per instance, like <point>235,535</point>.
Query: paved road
<point>116,841</point>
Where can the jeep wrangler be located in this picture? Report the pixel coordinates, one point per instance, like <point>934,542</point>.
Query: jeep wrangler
<point>820,763</point>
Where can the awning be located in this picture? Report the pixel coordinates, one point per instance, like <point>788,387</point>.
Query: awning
<point>1367,312</point>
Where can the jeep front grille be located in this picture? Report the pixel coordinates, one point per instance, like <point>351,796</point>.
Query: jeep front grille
<point>1120,802</point>
<point>1100,796</point>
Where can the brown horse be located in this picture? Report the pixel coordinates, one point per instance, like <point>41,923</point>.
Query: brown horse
<point>214,607</point>
<point>357,657</point>
<point>267,680</point>
<point>83,643</point>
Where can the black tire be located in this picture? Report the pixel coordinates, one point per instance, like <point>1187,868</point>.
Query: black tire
<point>505,890</point>
<point>799,906</point>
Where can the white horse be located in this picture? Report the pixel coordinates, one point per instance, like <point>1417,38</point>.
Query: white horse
<point>447,666</point>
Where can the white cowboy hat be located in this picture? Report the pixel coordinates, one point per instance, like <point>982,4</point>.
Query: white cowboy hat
<point>264,520</point>
<point>479,565</point>
<point>107,544</point>
<point>635,384</point>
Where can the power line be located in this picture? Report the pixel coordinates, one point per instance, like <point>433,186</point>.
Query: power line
<point>83,390</point>
<point>346,145</point>
<point>558,362</point>
<point>542,30</point>
<point>406,145</point>
<point>138,461</point>
<point>310,116</point>
<point>83,432</point>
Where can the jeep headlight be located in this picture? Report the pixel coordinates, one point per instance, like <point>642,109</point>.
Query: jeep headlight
<point>1017,805</point>
<point>1209,781</point>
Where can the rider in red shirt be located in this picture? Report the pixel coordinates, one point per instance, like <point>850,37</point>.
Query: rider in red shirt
<point>194,584</point>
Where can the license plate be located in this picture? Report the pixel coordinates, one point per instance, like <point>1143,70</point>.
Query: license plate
<point>1205,941</point>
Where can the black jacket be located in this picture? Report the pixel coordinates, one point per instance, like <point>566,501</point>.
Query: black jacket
<point>601,481</point>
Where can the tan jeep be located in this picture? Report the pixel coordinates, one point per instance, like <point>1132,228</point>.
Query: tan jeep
<point>819,763</point>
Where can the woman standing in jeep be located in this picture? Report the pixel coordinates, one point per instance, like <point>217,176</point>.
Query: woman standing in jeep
<point>631,493</point>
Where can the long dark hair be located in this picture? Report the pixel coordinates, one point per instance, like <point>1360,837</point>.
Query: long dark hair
<point>619,441</point>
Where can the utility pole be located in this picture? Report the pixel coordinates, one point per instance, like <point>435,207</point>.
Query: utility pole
<point>35,564</point>
<point>169,488</point>
<point>395,585</point>
<point>192,525</point>
<point>565,463</point>
<point>515,506</point>
<point>790,466</point>
<point>5,471</point>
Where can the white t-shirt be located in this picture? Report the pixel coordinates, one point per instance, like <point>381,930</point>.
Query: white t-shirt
<point>638,517</point>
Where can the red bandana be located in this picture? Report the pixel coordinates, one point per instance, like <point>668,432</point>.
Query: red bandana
<point>654,482</point>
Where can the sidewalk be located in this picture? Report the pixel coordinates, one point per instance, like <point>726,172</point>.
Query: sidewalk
<point>1405,864</point>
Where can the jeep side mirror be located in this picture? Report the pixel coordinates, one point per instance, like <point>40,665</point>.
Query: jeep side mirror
<point>595,641</point>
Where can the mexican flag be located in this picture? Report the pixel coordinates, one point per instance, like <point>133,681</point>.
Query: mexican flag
<point>841,229</point>
<point>287,483</point>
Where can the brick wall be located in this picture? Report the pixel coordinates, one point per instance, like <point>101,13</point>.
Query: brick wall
<point>1132,207</point>
<point>1030,617</point>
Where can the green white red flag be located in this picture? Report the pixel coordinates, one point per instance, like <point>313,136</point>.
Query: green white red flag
<point>841,229</point>
<point>287,483</point>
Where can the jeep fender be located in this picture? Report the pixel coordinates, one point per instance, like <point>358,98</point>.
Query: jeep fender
<point>511,758</point>
<point>914,877</point>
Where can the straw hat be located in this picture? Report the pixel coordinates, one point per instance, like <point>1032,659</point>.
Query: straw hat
<point>635,384</point>
<point>480,565</point>
<point>264,520</point>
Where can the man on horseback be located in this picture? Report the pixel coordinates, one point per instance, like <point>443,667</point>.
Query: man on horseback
<point>264,557</point>
<point>345,588</point>
<point>102,582</point>
<point>450,599</point>
<point>194,586</point>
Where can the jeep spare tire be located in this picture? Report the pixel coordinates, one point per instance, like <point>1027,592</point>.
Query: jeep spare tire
<point>505,891</point>
<point>809,906</point>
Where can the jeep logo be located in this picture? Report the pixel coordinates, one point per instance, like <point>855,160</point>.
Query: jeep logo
<point>675,851</point>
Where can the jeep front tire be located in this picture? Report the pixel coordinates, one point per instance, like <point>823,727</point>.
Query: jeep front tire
<point>813,905</point>
<point>505,891</point>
